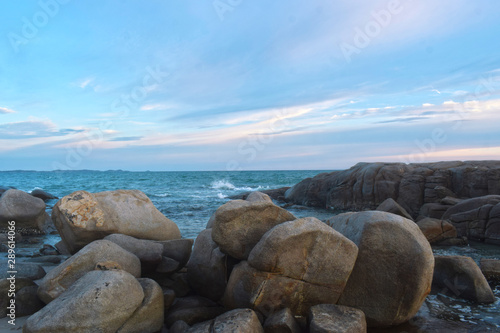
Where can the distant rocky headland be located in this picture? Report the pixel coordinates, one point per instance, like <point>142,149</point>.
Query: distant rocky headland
<point>465,193</point>
<point>122,266</point>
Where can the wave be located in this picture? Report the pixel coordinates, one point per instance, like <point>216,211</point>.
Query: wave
<point>221,196</point>
<point>226,185</point>
<point>222,185</point>
<point>160,195</point>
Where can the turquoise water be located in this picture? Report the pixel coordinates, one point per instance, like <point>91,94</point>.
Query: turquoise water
<point>187,198</point>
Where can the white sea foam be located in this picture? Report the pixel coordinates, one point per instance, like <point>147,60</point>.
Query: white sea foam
<point>226,185</point>
<point>222,185</point>
<point>221,196</point>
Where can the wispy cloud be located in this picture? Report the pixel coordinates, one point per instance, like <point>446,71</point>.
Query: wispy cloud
<point>153,107</point>
<point>5,110</point>
<point>127,138</point>
<point>83,83</point>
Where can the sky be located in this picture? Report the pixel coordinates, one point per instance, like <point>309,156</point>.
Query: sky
<point>247,85</point>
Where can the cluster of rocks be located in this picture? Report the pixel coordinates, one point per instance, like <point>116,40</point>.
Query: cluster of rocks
<point>255,268</point>
<point>465,194</point>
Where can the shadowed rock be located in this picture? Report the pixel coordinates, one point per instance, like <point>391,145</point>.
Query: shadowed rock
<point>459,276</point>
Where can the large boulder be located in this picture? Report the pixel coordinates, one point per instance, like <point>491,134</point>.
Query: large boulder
<point>98,255</point>
<point>331,318</point>
<point>238,225</point>
<point>295,265</point>
<point>437,230</point>
<point>367,185</point>
<point>393,271</point>
<point>100,301</point>
<point>26,210</point>
<point>207,269</point>
<point>459,276</point>
<point>83,217</point>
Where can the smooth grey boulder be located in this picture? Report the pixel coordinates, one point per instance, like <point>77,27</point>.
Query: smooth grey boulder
<point>148,317</point>
<point>282,321</point>
<point>238,225</point>
<point>26,210</point>
<point>295,265</point>
<point>459,276</point>
<point>98,255</point>
<point>306,249</point>
<point>149,252</point>
<point>258,196</point>
<point>100,301</point>
<point>207,269</point>
<point>385,284</point>
<point>331,318</point>
<point>83,217</point>
<point>45,196</point>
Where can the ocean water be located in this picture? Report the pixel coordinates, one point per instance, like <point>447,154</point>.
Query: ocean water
<point>187,198</point>
<point>190,198</point>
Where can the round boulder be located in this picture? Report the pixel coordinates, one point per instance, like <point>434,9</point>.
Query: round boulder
<point>238,225</point>
<point>393,272</point>
<point>26,210</point>
<point>100,301</point>
<point>83,217</point>
<point>295,265</point>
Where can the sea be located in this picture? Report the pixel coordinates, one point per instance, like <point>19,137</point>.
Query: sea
<point>190,198</point>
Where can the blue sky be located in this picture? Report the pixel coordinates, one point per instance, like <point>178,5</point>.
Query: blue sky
<point>247,85</point>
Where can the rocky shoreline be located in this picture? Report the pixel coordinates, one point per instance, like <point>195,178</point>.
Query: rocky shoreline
<point>122,266</point>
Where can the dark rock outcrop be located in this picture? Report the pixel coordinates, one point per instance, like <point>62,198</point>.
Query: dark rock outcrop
<point>477,218</point>
<point>367,185</point>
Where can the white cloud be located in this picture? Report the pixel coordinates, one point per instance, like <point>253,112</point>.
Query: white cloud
<point>85,82</point>
<point>6,110</point>
<point>152,107</point>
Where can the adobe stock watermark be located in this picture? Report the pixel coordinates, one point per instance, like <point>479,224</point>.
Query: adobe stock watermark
<point>31,25</point>
<point>120,108</point>
<point>439,135</point>
<point>363,36</point>
<point>250,147</point>
<point>11,272</point>
<point>223,7</point>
